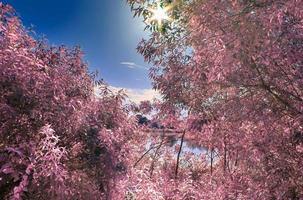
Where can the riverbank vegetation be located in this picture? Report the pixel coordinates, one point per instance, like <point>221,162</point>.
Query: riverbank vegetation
<point>230,74</point>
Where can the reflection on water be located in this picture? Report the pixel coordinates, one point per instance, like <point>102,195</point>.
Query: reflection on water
<point>188,146</point>
<point>173,142</point>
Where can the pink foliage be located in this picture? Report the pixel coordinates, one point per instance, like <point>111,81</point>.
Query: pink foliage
<point>59,140</point>
<point>48,156</point>
<point>230,73</point>
<point>236,67</point>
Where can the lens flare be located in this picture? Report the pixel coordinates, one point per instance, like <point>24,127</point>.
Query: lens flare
<point>159,14</point>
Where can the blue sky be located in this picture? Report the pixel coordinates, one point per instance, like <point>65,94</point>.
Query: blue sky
<point>105,30</point>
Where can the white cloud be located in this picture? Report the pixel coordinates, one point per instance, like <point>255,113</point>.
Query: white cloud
<point>138,95</point>
<point>127,63</point>
<point>133,65</point>
<point>135,95</point>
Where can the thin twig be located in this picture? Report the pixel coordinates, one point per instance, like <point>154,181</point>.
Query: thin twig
<point>179,154</point>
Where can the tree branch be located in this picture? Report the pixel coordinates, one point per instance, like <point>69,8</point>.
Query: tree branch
<point>179,154</point>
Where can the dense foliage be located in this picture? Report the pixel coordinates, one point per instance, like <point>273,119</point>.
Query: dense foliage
<point>58,140</point>
<point>231,77</point>
<point>235,68</point>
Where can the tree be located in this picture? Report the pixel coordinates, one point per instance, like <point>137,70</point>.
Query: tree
<point>58,139</point>
<point>236,65</point>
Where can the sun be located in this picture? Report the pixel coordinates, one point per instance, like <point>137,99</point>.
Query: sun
<point>159,14</point>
